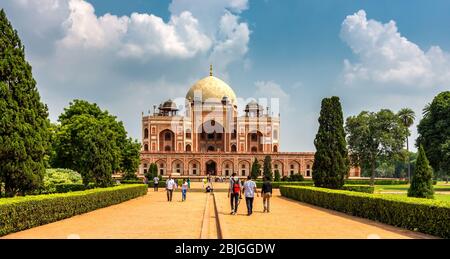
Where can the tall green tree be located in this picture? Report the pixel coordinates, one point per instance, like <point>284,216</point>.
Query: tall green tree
<point>93,143</point>
<point>24,135</point>
<point>267,169</point>
<point>407,117</point>
<point>434,133</point>
<point>331,161</point>
<point>375,137</point>
<point>422,180</point>
<point>256,169</point>
<point>130,161</point>
<point>153,170</point>
<point>277,176</point>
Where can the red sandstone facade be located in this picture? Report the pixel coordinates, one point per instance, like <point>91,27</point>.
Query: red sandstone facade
<point>209,137</point>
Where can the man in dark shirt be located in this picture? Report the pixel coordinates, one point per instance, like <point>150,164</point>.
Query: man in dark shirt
<point>266,193</point>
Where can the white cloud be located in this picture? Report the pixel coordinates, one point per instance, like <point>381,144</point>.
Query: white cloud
<point>126,63</point>
<point>73,25</point>
<point>269,93</point>
<point>385,57</point>
<point>270,89</point>
<point>232,42</point>
<point>84,28</point>
<point>138,36</point>
<point>208,12</point>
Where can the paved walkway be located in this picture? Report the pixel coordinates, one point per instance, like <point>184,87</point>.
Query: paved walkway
<point>292,219</point>
<point>151,216</point>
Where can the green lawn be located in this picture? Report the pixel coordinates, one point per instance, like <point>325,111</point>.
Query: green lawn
<point>439,197</point>
<point>439,187</point>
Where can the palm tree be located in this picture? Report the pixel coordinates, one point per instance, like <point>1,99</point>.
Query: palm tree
<point>407,116</point>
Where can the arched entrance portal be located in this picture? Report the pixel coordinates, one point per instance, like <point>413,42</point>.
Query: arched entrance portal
<point>211,168</point>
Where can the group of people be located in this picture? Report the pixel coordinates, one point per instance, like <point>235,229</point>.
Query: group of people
<point>248,189</point>
<point>171,185</point>
<point>236,189</point>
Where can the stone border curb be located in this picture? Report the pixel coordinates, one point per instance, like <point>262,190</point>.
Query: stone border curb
<point>205,222</point>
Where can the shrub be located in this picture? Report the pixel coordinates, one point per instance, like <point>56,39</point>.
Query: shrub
<point>276,185</point>
<point>359,188</point>
<point>296,178</point>
<point>131,182</point>
<point>72,187</point>
<point>56,176</point>
<point>161,184</point>
<point>423,215</point>
<point>377,182</point>
<point>277,176</point>
<point>422,180</point>
<point>21,213</point>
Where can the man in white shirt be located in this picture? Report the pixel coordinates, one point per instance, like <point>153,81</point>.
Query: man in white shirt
<point>170,186</point>
<point>249,192</point>
<point>155,183</point>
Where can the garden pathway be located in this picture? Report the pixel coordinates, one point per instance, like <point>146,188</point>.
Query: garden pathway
<point>292,219</point>
<point>151,216</point>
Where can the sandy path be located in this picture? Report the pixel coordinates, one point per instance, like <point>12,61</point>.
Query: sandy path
<point>292,219</point>
<point>150,216</point>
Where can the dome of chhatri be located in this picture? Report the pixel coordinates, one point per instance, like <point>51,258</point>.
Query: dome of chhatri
<point>168,105</point>
<point>253,106</point>
<point>212,88</point>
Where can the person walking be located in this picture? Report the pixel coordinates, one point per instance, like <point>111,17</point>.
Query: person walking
<point>234,192</point>
<point>170,186</point>
<point>155,183</point>
<point>189,182</point>
<point>249,192</point>
<point>184,188</point>
<point>266,193</point>
<point>204,182</point>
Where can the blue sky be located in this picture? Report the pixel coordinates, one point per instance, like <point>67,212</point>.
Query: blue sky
<point>298,51</point>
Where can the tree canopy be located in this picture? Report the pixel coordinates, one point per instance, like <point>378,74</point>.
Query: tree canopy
<point>24,138</point>
<point>434,133</point>
<point>331,162</point>
<point>93,143</point>
<point>373,137</point>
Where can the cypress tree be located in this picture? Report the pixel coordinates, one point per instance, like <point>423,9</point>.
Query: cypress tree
<point>422,180</point>
<point>153,170</point>
<point>267,169</point>
<point>24,135</point>
<point>277,176</point>
<point>331,162</point>
<point>256,167</point>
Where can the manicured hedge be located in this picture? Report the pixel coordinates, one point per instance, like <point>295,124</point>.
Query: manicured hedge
<point>21,213</point>
<point>359,188</point>
<point>162,184</point>
<point>72,187</point>
<point>131,181</point>
<point>377,182</point>
<point>423,215</point>
<point>277,185</point>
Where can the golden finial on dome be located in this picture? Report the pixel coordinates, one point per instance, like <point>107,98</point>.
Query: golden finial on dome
<point>210,70</point>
